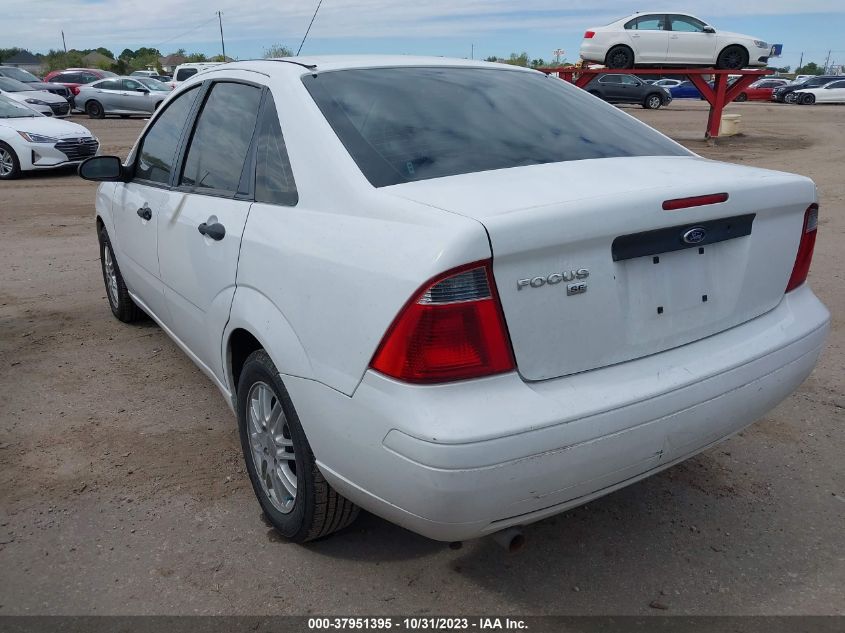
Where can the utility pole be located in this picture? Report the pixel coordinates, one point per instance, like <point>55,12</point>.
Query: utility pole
<point>472,51</point>
<point>800,62</point>
<point>222,43</point>
<point>826,61</point>
<point>64,44</point>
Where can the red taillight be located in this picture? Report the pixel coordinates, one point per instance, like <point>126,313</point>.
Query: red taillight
<point>453,329</point>
<point>74,90</point>
<point>805,248</point>
<point>694,201</point>
<point>589,35</point>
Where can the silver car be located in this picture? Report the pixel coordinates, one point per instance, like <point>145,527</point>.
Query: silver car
<point>41,101</point>
<point>123,96</point>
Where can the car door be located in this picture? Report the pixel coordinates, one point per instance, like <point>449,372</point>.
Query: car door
<point>108,92</point>
<point>148,199</point>
<point>649,38</point>
<point>833,92</point>
<point>199,240</point>
<point>136,96</point>
<point>611,87</point>
<point>688,43</point>
<point>632,90</point>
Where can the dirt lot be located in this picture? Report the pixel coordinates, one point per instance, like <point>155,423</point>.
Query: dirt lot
<point>122,488</point>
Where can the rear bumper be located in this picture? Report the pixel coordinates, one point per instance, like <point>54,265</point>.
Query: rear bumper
<point>592,52</point>
<point>459,461</point>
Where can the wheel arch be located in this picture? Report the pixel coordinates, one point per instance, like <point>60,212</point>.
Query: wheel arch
<point>738,44</point>
<point>256,323</point>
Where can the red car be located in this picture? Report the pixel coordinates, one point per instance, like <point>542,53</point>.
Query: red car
<point>75,77</point>
<point>761,90</point>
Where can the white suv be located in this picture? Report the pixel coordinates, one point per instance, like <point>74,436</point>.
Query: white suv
<point>186,71</point>
<point>375,261</point>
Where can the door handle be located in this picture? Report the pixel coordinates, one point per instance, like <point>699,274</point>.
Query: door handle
<point>145,213</point>
<point>215,231</point>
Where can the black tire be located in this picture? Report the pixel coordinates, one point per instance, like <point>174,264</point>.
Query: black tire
<point>741,97</point>
<point>121,304</point>
<point>653,101</point>
<point>619,57</point>
<point>790,98</point>
<point>317,510</point>
<point>808,99</point>
<point>734,57</point>
<point>94,110</point>
<point>8,155</point>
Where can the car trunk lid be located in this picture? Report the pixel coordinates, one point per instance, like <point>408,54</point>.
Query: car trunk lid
<point>593,271</point>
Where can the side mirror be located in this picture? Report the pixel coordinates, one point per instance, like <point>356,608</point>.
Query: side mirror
<point>102,169</point>
<point>709,29</point>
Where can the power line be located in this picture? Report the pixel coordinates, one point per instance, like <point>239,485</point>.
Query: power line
<point>308,30</point>
<point>186,32</point>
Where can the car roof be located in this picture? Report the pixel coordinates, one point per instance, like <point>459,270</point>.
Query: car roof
<point>326,63</point>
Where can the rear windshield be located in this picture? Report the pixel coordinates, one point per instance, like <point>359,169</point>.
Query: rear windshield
<point>406,124</point>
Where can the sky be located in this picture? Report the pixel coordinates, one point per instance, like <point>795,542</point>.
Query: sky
<point>454,28</point>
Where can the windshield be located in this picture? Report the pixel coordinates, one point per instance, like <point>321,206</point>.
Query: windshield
<point>20,75</point>
<point>411,123</point>
<point>153,84</point>
<point>10,109</point>
<point>12,85</point>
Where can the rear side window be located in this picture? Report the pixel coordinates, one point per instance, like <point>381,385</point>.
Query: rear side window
<point>158,149</point>
<point>183,73</point>
<point>219,145</point>
<point>274,182</point>
<point>109,84</point>
<point>647,23</point>
<point>411,123</point>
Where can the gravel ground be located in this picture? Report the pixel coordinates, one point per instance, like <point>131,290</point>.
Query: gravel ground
<point>122,489</point>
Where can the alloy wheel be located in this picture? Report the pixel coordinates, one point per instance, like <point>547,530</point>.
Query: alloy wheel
<point>7,163</point>
<point>111,276</point>
<point>272,447</point>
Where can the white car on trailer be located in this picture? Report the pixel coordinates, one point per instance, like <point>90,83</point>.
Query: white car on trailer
<point>670,39</point>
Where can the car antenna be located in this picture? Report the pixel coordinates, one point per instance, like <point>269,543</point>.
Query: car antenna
<point>308,30</point>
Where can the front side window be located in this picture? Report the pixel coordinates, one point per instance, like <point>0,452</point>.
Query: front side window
<point>414,123</point>
<point>158,149</point>
<point>274,182</point>
<point>687,24</point>
<point>131,84</point>
<point>219,145</point>
<point>630,81</point>
<point>610,79</point>
<point>836,84</point>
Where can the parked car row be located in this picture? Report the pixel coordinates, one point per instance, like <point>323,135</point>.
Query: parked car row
<point>788,93</point>
<point>832,92</point>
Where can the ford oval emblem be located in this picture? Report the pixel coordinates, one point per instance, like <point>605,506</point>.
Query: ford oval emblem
<point>695,235</point>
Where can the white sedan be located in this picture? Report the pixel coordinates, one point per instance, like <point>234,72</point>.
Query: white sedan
<point>41,101</point>
<point>833,92</point>
<point>30,141</point>
<point>672,39</point>
<point>375,262</point>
